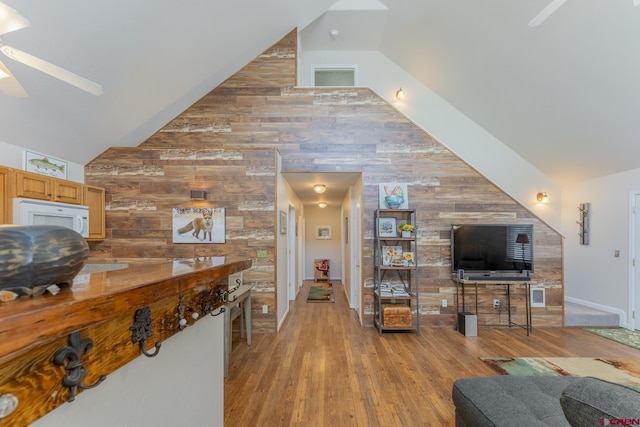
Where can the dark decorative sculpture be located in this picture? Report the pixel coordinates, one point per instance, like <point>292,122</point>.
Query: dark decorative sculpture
<point>34,257</point>
<point>141,330</point>
<point>76,372</point>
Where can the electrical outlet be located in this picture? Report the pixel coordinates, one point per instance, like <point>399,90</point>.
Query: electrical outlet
<point>444,302</point>
<point>497,303</point>
<point>265,309</point>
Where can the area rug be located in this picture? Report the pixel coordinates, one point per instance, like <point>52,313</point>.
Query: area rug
<point>621,335</point>
<point>624,371</point>
<point>321,292</point>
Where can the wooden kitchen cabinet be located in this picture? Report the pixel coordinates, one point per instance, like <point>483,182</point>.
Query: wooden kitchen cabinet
<point>19,183</point>
<point>5,195</point>
<point>94,199</point>
<point>36,186</point>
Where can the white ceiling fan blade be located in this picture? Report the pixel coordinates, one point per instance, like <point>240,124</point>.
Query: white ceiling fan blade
<point>546,12</point>
<point>10,20</point>
<point>52,70</point>
<point>9,85</point>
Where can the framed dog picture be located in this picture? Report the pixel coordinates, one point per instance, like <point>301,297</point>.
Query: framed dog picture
<point>198,225</point>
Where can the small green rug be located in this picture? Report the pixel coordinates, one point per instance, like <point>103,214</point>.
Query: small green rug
<point>320,292</point>
<point>621,335</point>
<point>624,371</point>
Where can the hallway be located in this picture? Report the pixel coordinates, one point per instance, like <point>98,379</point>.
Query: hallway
<point>324,369</point>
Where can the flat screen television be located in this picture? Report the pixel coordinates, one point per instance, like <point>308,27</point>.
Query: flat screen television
<point>488,248</point>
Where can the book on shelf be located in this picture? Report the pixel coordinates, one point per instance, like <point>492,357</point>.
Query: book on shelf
<point>387,290</point>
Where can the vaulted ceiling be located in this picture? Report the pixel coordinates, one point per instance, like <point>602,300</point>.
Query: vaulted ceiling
<point>564,94</point>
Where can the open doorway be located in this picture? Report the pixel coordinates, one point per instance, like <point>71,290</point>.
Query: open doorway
<point>332,230</point>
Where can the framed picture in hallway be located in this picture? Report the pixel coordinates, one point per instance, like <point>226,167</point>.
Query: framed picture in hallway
<point>283,222</point>
<point>323,232</point>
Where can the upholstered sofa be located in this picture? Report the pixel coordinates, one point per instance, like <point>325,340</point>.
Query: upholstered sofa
<point>506,400</point>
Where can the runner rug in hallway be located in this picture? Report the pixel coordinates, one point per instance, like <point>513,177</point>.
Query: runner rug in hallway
<point>625,371</point>
<point>321,292</point>
<point>621,335</point>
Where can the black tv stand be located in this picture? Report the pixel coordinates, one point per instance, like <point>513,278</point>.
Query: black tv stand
<point>525,282</point>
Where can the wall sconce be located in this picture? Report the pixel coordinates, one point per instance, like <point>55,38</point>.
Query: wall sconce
<point>198,195</point>
<point>542,198</point>
<point>322,205</point>
<point>319,188</point>
<point>400,94</point>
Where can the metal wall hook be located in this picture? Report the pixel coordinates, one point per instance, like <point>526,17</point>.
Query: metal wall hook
<point>141,330</point>
<point>224,293</point>
<point>222,310</point>
<point>182,322</point>
<point>146,353</point>
<point>76,372</point>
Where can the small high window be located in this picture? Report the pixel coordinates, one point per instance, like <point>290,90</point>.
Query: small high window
<point>333,76</point>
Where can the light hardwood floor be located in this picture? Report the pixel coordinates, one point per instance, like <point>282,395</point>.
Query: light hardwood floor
<point>324,369</point>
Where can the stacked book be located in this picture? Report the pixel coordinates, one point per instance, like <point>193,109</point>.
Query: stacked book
<point>387,290</point>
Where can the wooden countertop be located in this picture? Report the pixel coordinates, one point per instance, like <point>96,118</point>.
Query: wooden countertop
<point>97,297</point>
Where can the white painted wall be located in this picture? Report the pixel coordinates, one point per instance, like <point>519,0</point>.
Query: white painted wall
<point>593,276</point>
<point>453,129</point>
<point>323,248</point>
<point>181,386</point>
<point>12,156</point>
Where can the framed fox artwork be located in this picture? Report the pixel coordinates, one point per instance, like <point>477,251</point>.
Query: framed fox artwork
<point>198,225</point>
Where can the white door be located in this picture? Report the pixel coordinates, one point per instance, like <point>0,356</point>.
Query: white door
<point>291,254</point>
<point>356,257</point>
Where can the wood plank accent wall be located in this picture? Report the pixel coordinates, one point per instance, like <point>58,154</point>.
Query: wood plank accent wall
<point>314,129</point>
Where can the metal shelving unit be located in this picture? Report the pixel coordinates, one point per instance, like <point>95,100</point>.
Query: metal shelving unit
<point>395,276</point>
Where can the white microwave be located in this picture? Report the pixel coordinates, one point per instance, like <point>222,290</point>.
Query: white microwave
<point>37,212</point>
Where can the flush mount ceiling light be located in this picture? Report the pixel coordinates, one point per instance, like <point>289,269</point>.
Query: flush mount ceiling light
<point>542,198</point>
<point>322,205</point>
<point>319,188</point>
<point>400,94</point>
